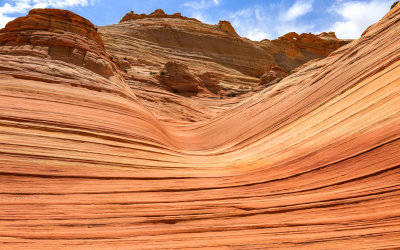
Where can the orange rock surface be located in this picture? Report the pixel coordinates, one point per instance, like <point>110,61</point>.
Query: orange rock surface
<point>322,44</point>
<point>94,160</point>
<point>274,73</point>
<point>159,13</point>
<point>150,41</point>
<point>227,27</point>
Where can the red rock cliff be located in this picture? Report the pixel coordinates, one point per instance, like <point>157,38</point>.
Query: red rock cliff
<point>58,34</point>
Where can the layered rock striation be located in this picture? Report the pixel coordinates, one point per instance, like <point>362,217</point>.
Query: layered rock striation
<point>60,44</point>
<point>177,77</point>
<point>90,161</point>
<point>58,34</point>
<point>322,44</point>
<point>150,41</point>
<point>273,74</point>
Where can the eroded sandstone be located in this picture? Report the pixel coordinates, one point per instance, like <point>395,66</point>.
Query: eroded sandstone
<point>275,73</point>
<point>159,13</point>
<point>308,163</point>
<point>59,34</point>
<point>237,63</point>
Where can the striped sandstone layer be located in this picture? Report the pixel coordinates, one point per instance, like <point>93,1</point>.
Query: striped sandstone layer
<point>147,43</point>
<point>309,163</point>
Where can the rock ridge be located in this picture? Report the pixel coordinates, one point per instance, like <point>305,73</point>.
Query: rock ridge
<point>158,13</point>
<point>322,44</point>
<point>60,34</point>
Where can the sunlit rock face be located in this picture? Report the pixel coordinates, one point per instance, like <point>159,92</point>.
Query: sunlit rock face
<point>111,159</point>
<point>58,34</point>
<point>151,41</point>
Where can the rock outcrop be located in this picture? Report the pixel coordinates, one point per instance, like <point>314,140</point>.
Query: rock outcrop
<point>159,13</point>
<point>238,63</point>
<point>179,79</point>
<point>322,44</point>
<point>95,162</point>
<point>237,60</point>
<point>59,34</point>
<point>275,73</point>
<point>227,27</point>
<point>210,81</point>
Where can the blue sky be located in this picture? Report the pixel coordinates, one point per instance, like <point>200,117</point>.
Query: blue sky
<point>255,19</point>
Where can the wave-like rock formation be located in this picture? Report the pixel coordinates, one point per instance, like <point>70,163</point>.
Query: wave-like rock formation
<point>149,42</point>
<point>93,160</point>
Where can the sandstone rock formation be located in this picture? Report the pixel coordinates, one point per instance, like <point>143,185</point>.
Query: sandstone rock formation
<point>293,50</point>
<point>153,40</point>
<point>312,62</point>
<point>322,44</point>
<point>275,73</point>
<point>210,81</point>
<point>89,161</point>
<point>227,27</point>
<point>159,13</point>
<point>58,34</point>
<point>178,77</point>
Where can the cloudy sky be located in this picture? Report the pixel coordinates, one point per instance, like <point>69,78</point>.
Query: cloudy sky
<point>255,19</point>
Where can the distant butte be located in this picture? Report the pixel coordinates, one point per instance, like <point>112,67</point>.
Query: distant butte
<point>159,13</point>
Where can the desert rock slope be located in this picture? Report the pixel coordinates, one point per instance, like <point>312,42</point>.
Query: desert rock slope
<point>148,42</point>
<point>98,152</point>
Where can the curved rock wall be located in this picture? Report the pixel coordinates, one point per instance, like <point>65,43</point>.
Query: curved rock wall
<point>309,163</point>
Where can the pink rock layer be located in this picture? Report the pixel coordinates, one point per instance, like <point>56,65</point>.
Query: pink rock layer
<point>309,163</point>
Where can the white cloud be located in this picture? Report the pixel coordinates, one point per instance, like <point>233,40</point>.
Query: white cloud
<point>251,23</point>
<point>4,20</point>
<point>298,9</point>
<point>256,35</point>
<point>18,7</point>
<point>348,18</point>
<point>202,4</point>
<point>60,3</point>
<point>12,7</point>
<point>199,16</point>
<point>356,16</point>
<point>197,7</point>
<point>268,22</point>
